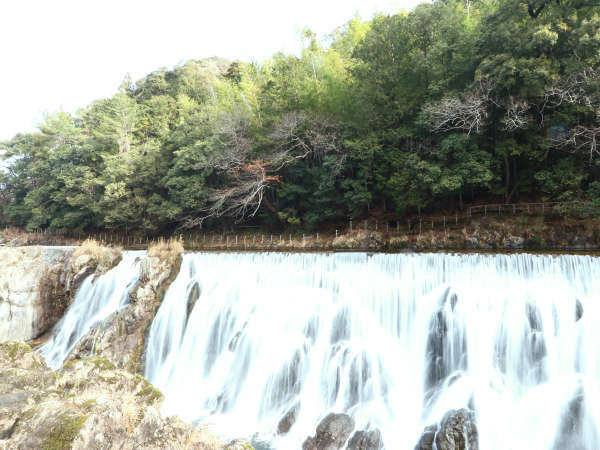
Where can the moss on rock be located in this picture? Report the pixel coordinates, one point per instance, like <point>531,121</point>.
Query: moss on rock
<point>149,393</point>
<point>63,432</point>
<point>14,350</point>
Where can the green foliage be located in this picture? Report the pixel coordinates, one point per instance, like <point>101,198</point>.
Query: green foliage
<point>343,128</point>
<point>63,432</point>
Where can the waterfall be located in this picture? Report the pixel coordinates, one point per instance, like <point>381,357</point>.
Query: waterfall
<point>241,340</point>
<point>95,300</point>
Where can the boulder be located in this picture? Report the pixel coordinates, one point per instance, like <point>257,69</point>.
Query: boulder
<point>288,420</point>
<point>427,438</point>
<point>366,440</point>
<point>457,431</point>
<point>332,433</point>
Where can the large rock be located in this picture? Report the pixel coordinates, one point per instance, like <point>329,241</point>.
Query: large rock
<point>457,431</point>
<point>89,404</point>
<point>121,337</point>
<point>366,440</point>
<point>37,285</point>
<point>29,277</point>
<point>332,433</point>
<point>287,421</point>
<point>427,438</point>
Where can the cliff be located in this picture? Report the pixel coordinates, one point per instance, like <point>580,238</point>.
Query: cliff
<point>38,283</point>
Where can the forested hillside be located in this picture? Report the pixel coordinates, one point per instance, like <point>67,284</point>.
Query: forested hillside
<point>446,105</point>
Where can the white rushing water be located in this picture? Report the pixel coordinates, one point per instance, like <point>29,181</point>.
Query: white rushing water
<point>95,300</point>
<point>393,340</point>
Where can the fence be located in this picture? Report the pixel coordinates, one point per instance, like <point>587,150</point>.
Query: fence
<point>247,238</point>
<point>514,208</point>
<point>419,224</point>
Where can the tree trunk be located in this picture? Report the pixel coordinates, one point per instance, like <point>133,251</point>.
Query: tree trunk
<point>507,178</point>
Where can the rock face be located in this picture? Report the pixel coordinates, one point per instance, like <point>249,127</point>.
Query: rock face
<point>332,432</point>
<point>37,285</point>
<point>458,431</point>
<point>89,404</point>
<point>121,337</point>
<point>29,277</point>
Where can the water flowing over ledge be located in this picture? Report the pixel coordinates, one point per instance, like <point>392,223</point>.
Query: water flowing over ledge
<point>96,299</point>
<point>394,340</point>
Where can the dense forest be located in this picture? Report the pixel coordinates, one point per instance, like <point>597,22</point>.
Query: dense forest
<point>451,103</point>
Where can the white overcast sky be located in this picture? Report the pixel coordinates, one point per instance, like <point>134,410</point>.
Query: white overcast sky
<point>62,54</point>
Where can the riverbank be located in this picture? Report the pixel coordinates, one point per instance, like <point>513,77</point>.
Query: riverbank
<point>491,233</point>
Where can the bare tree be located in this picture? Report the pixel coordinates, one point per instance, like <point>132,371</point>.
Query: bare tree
<point>295,135</point>
<point>467,113</point>
<point>516,116</point>
<point>299,136</point>
<point>580,139</point>
<point>233,142</point>
<point>581,88</point>
<point>241,198</point>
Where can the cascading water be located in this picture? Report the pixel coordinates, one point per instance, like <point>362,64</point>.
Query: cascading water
<point>394,340</point>
<point>95,300</point>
